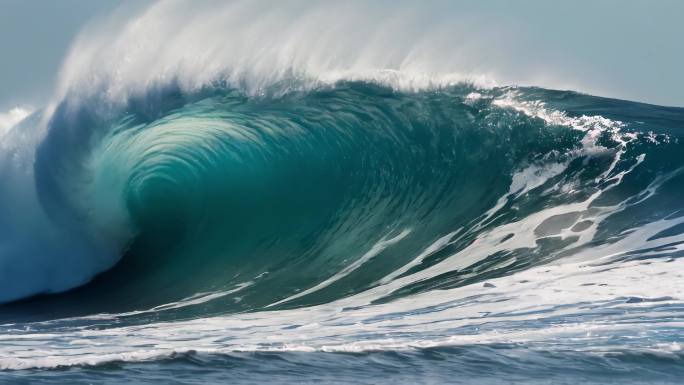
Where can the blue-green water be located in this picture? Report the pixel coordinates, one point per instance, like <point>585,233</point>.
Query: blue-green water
<point>347,233</point>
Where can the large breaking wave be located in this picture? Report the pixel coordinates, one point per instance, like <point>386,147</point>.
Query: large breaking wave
<point>375,194</point>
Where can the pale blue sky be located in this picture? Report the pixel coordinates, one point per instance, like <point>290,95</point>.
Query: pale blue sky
<point>34,36</point>
<point>630,49</point>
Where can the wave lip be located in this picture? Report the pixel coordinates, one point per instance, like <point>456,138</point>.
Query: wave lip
<point>384,45</point>
<point>12,117</point>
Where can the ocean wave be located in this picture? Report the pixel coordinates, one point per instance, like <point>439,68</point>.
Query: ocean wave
<point>248,186</point>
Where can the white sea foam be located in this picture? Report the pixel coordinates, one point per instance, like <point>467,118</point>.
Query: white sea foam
<point>512,309</point>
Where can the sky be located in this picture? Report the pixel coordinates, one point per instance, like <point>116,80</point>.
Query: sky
<point>628,49</point>
<point>34,38</point>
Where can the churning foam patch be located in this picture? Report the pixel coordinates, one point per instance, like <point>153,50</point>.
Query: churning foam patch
<point>546,305</point>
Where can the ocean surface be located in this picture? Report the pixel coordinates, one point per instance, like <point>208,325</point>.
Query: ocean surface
<point>352,227</point>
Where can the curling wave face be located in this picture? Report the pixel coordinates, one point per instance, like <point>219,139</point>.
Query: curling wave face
<point>316,195</point>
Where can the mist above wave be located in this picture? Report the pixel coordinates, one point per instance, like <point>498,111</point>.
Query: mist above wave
<point>256,45</point>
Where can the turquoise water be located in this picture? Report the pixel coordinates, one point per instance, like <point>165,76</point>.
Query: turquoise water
<point>347,233</point>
